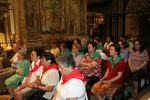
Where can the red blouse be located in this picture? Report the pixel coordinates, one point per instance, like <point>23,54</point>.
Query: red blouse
<point>119,67</point>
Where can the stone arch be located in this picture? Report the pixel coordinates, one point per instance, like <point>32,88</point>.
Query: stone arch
<point>135,10</point>
<point>135,6</point>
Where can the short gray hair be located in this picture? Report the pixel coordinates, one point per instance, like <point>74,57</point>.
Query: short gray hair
<point>66,60</point>
<point>17,45</point>
<point>84,40</point>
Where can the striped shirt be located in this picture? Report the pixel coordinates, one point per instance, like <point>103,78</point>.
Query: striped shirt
<point>138,58</point>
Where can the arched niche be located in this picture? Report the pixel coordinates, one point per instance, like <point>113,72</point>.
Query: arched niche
<point>135,11</point>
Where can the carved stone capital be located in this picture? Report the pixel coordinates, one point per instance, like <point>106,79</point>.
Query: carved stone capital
<point>5,15</point>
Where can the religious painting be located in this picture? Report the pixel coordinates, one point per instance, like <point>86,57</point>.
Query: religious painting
<point>52,16</point>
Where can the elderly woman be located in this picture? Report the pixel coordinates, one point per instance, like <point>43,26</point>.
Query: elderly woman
<point>21,72</point>
<point>45,88</point>
<point>108,43</point>
<point>91,63</point>
<point>84,46</point>
<point>63,48</point>
<point>72,83</point>
<point>76,41</point>
<point>113,78</point>
<point>77,54</point>
<point>138,60</point>
<point>124,53</point>
<point>99,44</point>
<point>8,72</point>
<point>55,50</point>
<point>35,70</point>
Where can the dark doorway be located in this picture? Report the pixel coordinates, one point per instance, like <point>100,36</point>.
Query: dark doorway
<point>145,31</point>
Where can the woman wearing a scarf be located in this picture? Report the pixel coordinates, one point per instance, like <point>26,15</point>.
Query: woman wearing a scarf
<point>113,78</point>
<point>77,55</point>
<point>72,83</point>
<point>91,63</point>
<point>35,70</point>
<point>45,88</point>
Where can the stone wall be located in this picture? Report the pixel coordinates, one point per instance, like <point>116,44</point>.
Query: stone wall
<point>135,11</point>
<point>27,19</point>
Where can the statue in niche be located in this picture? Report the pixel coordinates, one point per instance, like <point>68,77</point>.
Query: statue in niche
<point>52,16</point>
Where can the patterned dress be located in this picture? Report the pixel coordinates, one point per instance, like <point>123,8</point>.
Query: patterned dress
<point>101,89</point>
<point>14,80</point>
<point>96,70</point>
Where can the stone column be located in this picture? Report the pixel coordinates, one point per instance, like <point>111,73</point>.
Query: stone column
<point>85,16</point>
<point>120,19</point>
<point>16,18</point>
<point>117,19</point>
<point>12,21</point>
<point>6,27</point>
<point>113,19</point>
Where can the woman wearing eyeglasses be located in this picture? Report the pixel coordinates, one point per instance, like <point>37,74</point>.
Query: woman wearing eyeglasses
<point>72,83</point>
<point>138,60</point>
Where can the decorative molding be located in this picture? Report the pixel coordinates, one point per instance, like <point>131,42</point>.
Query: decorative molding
<point>137,5</point>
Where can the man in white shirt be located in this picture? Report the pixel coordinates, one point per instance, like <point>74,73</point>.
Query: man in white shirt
<point>108,43</point>
<point>7,72</point>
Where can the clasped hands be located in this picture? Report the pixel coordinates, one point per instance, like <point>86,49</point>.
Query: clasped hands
<point>32,85</point>
<point>104,81</point>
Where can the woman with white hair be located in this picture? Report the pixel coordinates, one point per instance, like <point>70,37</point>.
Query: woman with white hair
<point>84,46</point>
<point>21,72</point>
<point>72,83</point>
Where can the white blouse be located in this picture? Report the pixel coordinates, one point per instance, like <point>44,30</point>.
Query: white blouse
<point>34,74</point>
<point>50,78</point>
<point>72,88</point>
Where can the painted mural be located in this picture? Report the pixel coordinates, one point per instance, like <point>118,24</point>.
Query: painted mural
<point>52,16</point>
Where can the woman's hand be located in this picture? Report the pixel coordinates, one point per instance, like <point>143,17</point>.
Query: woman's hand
<point>106,81</point>
<point>133,69</point>
<point>35,85</point>
<point>85,67</point>
<point>30,85</point>
<point>101,80</point>
<point>17,71</point>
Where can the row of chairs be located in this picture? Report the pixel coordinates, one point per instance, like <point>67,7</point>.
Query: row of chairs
<point>120,94</point>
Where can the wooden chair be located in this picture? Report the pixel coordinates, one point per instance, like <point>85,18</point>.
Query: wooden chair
<point>104,67</point>
<point>120,91</point>
<point>107,52</point>
<point>146,77</point>
<point>103,70</point>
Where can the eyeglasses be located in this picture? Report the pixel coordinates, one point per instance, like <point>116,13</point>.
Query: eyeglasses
<point>137,44</point>
<point>32,54</point>
<point>61,68</point>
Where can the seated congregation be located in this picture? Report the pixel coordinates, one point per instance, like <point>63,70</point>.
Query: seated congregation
<point>65,73</point>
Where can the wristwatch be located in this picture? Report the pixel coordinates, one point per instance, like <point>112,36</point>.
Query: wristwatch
<point>37,86</point>
<point>137,68</point>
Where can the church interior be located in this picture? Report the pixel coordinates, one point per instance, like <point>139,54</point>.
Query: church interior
<point>43,23</point>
